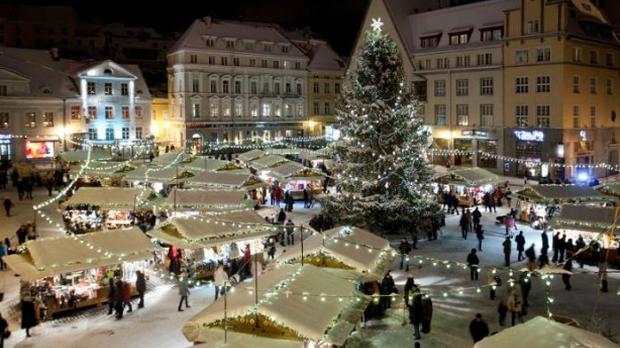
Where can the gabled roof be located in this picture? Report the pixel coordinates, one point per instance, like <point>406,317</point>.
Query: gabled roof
<point>584,218</point>
<point>98,69</point>
<point>467,176</point>
<point>560,193</point>
<point>324,58</point>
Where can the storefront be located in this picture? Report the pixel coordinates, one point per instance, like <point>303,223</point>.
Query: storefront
<point>531,151</point>
<point>469,184</point>
<point>70,273</point>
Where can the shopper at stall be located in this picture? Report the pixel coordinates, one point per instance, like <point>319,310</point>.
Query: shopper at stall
<point>140,287</point>
<point>127,296</point>
<point>119,304</point>
<point>29,315</point>
<point>21,233</point>
<point>111,304</point>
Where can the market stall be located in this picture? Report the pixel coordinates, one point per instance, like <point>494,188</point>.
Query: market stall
<point>536,204</point>
<point>262,164</point>
<point>203,241</point>
<point>290,307</point>
<point>225,180</point>
<point>469,184</point>
<point>251,155</point>
<point>96,208</point>
<point>96,154</point>
<point>160,179</point>
<point>203,200</point>
<point>294,177</point>
<point>104,173</point>
<point>172,157</point>
<point>314,158</point>
<point>73,272</point>
<point>611,189</point>
<point>204,163</point>
<point>593,223</point>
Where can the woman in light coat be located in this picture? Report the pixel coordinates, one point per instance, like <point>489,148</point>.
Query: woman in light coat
<point>220,277</point>
<point>515,306</point>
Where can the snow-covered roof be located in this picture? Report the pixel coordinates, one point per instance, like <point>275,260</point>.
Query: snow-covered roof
<point>611,189</point>
<point>540,332</point>
<point>324,58</point>
<point>164,175</point>
<point>290,170</point>
<point>267,161</point>
<point>215,165</point>
<point>584,218</point>
<point>105,169</point>
<point>281,301</point>
<point>171,157</point>
<point>467,176</point>
<point>358,249</point>
<point>193,38</point>
<point>50,256</point>
<point>105,197</point>
<point>251,155</point>
<point>223,178</point>
<point>206,199</point>
<point>561,193</point>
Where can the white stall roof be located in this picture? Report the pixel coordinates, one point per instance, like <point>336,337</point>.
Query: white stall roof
<point>211,199</point>
<point>251,155</point>
<point>105,197</point>
<point>266,162</point>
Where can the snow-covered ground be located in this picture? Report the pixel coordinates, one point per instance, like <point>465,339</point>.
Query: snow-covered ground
<point>159,324</point>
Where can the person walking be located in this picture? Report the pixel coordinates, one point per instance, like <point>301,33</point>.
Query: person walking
<point>281,217</point>
<point>111,289</point>
<point>127,296</point>
<point>220,277</point>
<point>476,215</point>
<point>545,242</point>
<point>464,225</point>
<point>554,246</point>
<point>306,198</point>
<point>520,240</point>
<point>494,282</point>
<point>579,244</point>
<point>562,247</point>
<point>290,232</point>
<point>21,233</point>
<point>502,311</point>
<point>568,266</point>
<point>416,312</point>
<point>526,286</point>
<point>514,306</point>
<point>507,249</point>
<point>8,204</point>
<point>405,249</point>
<point>479,236</point>
<point>470,220</point>
<point>473,262</point>
<point>478,328</point>
<point>140,287</point>
<point>119,299</point>
<point>427,314</point>
<point>508,224</point>
<point>183,292</point>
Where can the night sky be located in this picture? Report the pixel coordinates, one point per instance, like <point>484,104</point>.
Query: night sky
<point>337,21</point>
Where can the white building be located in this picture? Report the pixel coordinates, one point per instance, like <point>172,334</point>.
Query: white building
<point>43,99</point>
<point>237,81</point>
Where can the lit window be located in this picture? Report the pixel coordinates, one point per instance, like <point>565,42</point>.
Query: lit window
<point>521,115</point>
<point>542,116</point>
<point>125,112</point>
<point>138,112</point>
<point>462,114</point>
<point>138,132</point>
<point>486,115</point>
<point>92,90</point>
<point>440,114</point>
<point>76,112</point>
<point>48,119</point>
<point>109,112</point>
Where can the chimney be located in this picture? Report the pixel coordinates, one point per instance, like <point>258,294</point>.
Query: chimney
<point>54,53</point>
<point>207,20</point>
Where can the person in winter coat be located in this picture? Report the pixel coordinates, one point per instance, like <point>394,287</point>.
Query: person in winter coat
<point>520,240</point>
<point>526,285</point>
<point>494,282</point>
<point>479,236</point>
<point>119,299</point>
<point>579,244</point>
<point>478,328</point>
<point>405,249</point>
<point>473,262</point>
<point>476,216</point>
<point>409,290</point>
<point>515,306</point>
<point>502,311</point>
<point>140,287</point>
<point>416,313</point>
<point>281,217</point>
<point>554,246</point>
<point>464,225</point>
<point>8,204</point>
<point>388,287</point>
<point>507,250</point>
<point>545,242</point>
<point>509,223</point>
<point>220,277</point>
<point>183,292</point>
<point>562,247</point>
<point>427,314</point>
<point>21,233</point>
<point>111,303</point>
<point>568,266</point>
<point>127,296</point>
<point>290,232</point>
<point>530,253</point>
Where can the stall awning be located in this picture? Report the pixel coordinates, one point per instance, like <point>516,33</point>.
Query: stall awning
<point>202,199</point>
<point>470,177</point>
<point>169,158</point>
<point>251,155</point>
<point>224,179</point>
<point>267,162</point>
<point>302,318</point>
<point>163,175</point>
<point>584,218</point>
<point>363,251</point>
<point>293,171</point>
<point>215,337</point>
<point>283,151</point>
<point>51,256</point>
<point>545,194</point>
<point>215,165</point>
<point>106,197</point>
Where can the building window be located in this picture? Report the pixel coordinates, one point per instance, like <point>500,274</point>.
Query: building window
<point>226,86</point>
<point>327,109</point>
<point>533,26</point>
<point>521,116</point>
<point>3,90</point>
<point>491,34</point>
<point>576,54</point>
<point>238,108</point>
<point>138,111</point>
<point>576,84</point>
<point>125,133</point>
<point>486,115</point>
<point>276,88</point>
<point>92,112</point>
<point>485,59</point>
<point>462,87</point>
<point>249,46</point>
<point>440,88</point>
<point>90,87</point>
<point>125,112</point>
<point>193,59</point>
<point>593,85</point>
<point>211,60</point>
<point>543,84</point>
<point>300,110</point>
<point>315,87</point>
<point>297,66</point>
<point>226,108</point>
<point>195,110</point>
<point>237,87</point>
<point>124,89</point>
<point>521,57</point>
<point>253,87</point>
<point>214,110</point>
<point>109,134</point>
<point>107,88</point>
<point>236,61</point>
<point>486,86</point>
<point>542,116</point>
<point>336,88</point>
<point>224,60</point>
<point>4,120</point>
<point>610,87</point>
<point>284,49</point>
<point>213,86</point>
<point>315,108</point>
<point>210,42</point>
<point>462,115</point>
<point>138,132</point>
<point>459,39</point>
<point>266,109</point>
<point>429,41</point>
<point>575,116</point>
<point>254,110</point>
<point>592,116</point>
<point>609,59</point>
<point>276,64</point>
<point>287,88</point>
<point>230,44</point>
<point>109,112</point>
<point>92,133</point>
<point>252,62</point>
<point>593,57</point>
<point>263,63</point>
<point>521,85</point>
<point>543,54</point>
<point>440,114</point>
<point>326,88</point>
<point>299,91</point>
<point>195,85</point>
<point>76,112</point>
<point>267,47</point>
<point>265,87</point>
<point>462,61</point>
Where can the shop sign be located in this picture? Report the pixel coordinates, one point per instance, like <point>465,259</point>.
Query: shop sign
<point>534,135</point>
<point>475,134</point>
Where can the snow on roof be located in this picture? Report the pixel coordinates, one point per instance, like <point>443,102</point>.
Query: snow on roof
<point>310,318</point>
<point>50,256</point>
<point>251,155</point>
<point>170,157</point>
<point>155,174</point>
<point>214,165</point>
<point>105,197</point>
<point>468,177</point>
<point>562,193</point>
<point>363,251</point>
<point>293,170</point>
<point>540,332</point>
<point>223,178</point>
<point>586,218</point>
<point>206,199</point>
<point>267,162</point>
<point>323,57</point>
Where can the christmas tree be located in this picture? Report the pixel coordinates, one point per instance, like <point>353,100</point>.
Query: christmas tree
<point>385,179</point>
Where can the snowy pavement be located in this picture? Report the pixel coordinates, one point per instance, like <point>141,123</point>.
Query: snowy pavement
<point>159,324</point>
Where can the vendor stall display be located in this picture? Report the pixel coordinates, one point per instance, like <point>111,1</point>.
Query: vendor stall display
<point>73,272</point>
<point>201,200</point>
<point>107,173</point>
<point>295,178</point>
<point>593,223</point>
<point>251,155</point>
<point>469,184</point>
<point>283,311</point>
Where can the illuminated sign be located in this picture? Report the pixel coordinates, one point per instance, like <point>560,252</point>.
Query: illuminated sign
<point>475,134</point>
<point>534,135</point>
<point>39,149</point>
<point>584,135</point>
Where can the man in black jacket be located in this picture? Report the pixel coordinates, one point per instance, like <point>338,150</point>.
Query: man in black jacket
<point>478,328</point>
<point>473,262</point>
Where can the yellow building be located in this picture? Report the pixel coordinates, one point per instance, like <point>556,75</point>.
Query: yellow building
<point>166,129</point>
<point>561,85</point>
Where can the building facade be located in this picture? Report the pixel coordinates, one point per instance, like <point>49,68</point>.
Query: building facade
<point>165,127</point>
<point>561,77</point>
<point>236,82</point>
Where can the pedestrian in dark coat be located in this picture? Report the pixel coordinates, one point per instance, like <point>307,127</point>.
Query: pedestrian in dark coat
<point>473,262</point>
<point>29,316</point>
<point>479,236</point>
<point>21,233</point>
<point>306,199</point>
<point>464,225</point>
<point>290,232</point>
<point>140,287</point>
<point>520,240</point>
<point>526,285</point>
<point>427,314</point>
<point>502,311</point>
<point>507,249</point>
<point>127,296</point>
<point>562,247</point>
<point>530,253</point>
<point>554,246</point>
<point>478,328</point>
<point>281,217</point>
<point>111,303</point>
<point>545,243</point>
<point>543,260</point>
<point>388,287</point>
<point>8,204</point>
<point>416,313</point>
<point>4,330</point>
<point>580,244</point>
<point>405,249</point>
<point>568,266</point>
<point>183,292</point>
<point>119,303</point>
<point>476,215</point>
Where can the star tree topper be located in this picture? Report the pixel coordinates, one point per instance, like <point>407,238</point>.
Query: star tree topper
<point>376,24</point>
